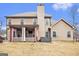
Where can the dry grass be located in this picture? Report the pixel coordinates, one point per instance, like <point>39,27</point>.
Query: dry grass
<point>40,48</point>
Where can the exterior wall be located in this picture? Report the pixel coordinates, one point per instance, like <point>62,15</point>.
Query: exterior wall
<point>14,21</point>
<point>17,21</point>
<point>61,31</point>
<point>29,21</point>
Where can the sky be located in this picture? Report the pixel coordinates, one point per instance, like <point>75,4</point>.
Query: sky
<point>56,10</point>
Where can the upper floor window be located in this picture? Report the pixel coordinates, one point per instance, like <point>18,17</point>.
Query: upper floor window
<point>34,21</point>
<point>22,22</point>
<point>54,33</point>
<point>9,22</point>
<point>68,34</point>
<point>47,21</point>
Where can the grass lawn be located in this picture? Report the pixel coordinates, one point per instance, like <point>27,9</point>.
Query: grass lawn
<point>56,48</point>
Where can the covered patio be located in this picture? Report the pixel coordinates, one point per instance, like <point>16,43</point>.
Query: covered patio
<point>24,33</point>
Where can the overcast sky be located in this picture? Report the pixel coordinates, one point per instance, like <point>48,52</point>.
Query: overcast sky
<point>57,10</point>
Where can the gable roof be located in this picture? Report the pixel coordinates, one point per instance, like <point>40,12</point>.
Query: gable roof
<point>64,22</point>
<point>27,14</point>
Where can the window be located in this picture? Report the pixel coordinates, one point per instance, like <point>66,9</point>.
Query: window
<point>34,21</point>
<point>54,33</point>
<point>9,22</point>
<point>47,21</point>
<point>68,34</point>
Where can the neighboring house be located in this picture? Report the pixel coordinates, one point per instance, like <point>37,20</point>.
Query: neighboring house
<point>36,26</point>
<point>61,30</point>
<point>33,26</point>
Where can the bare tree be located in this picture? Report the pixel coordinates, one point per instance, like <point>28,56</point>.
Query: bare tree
<point>74,15</point>
<point>0,27</point>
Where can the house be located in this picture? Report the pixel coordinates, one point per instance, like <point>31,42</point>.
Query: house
<point>37,26</point>
<point>62,30</point>
<point>31,26</point>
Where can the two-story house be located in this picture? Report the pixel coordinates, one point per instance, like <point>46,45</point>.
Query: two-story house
<point>31,26</point>
<point>37,26</point>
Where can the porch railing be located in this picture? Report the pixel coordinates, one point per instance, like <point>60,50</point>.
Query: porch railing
<point>30,38</point>
<point>17,39</point>
<point>26,39</point>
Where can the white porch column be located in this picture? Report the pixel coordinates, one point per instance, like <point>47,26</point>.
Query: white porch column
<point>12,33</point>
<point>15,33</point>
<point>36,34</point>
<point>23,33</point>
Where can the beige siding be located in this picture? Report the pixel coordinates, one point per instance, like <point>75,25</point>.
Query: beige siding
<point>28,21</point>
<point>14,21</point>
<point>61,31</point>
<point>17,21</point>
